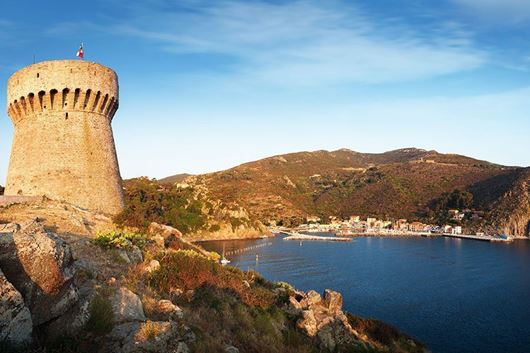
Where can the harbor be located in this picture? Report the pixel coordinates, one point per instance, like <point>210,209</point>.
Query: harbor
<point>480,237</point>
<point>306,237</point>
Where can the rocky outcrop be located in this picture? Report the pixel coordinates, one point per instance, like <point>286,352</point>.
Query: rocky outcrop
<point>39,265</point>
<point>323,319</point>
<point>16,326</point>
<point>511,212</point>
<point>127,306</point>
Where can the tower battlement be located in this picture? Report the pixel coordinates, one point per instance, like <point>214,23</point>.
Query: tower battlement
<point>63,146</point>
<point>65,85</point>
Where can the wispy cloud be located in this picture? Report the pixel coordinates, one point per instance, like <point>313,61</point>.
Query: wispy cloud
<point>305,43</point>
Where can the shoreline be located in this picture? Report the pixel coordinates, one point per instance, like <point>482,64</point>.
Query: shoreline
<point>203,240</point>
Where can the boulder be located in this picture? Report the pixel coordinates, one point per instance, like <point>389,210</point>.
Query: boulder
<point>169,310</point>
<point>16,325</point>
<point>142,337</point>
<point>152,266</point>
<point>9,227</point>
<point>127,306</point>
<point>166,232</point>
<point>332,301</point>
<point>39,264</point>
<point>135,255</point>
<point>312,298</point>
<point>231,349</point>
<point>183,348</point>
<point>308,323</point>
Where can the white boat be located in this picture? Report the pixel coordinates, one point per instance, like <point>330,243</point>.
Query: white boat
<point>224,260</point>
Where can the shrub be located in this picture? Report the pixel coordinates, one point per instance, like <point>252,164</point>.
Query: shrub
<point>148,331</point>
<point>101,316</point>
<point>114,239</point>
<point>147,201</point>
<point>189,270</point>
<point>215,228</point>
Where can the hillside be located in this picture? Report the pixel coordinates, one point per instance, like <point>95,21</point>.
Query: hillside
<point>397,184</point>
<point>190,209</point>
<point>177,178</point>
<point>120,292</point>
<point>511,212</point>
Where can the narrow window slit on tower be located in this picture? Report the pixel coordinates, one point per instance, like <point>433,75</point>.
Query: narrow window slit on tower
<point>66,116</point>
<point>41,97</point>
<point>87,97</point>
<point>104,103</point>
<point>76,96</point>
<point>53,92</point>
<point>96,101</point>
<point>31,96</point>
<point>65,95</point>
<point>38,75</point>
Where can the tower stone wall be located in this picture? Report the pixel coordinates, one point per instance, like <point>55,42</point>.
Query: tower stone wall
<point>63,147</point>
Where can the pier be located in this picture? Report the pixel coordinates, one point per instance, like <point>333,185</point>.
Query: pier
<point>304,237</point>
<point>478,237</point>
<point>248,248</point>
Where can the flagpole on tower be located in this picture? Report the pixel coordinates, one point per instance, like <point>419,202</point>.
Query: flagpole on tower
<point>81,52</point>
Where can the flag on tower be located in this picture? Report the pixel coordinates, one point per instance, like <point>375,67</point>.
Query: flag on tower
<point>80,52</point>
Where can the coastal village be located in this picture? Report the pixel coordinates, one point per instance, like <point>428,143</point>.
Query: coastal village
<point>372,226</point>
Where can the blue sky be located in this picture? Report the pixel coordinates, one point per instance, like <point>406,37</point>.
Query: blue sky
<point>206,85</point>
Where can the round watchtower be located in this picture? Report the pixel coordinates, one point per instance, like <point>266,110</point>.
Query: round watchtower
<point>63,146</point>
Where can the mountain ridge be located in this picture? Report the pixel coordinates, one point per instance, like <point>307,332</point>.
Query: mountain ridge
<point>401,183</point>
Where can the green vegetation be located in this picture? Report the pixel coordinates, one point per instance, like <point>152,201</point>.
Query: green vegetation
<point>457,199</point>
<point>147,201</point>
<point>385,335</point>
<point>396,184</point>
<point>189,270</point>
<point>101,318</point>
<point>115,239</point>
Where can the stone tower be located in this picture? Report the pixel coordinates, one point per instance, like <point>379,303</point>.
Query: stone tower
<point>63,146</point>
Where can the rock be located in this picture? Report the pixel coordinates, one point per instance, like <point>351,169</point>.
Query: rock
<point>168,233</point>
<point>72,321</point>
<point>135,255</point>
<point>122,254</point>
<point>152,266</point>
<point>308,323</point>
<point>183,348</point>
<point>9,228</point>
<point>295,304</point>
<point>332,301</point>
<point>150,336</point>
<point>122,331</point>
<point>189,335</point>
<point>313,298</point>
<point>169,310</point>
<point>324,319</point>
<point>16,325</point>
<point>40,266</point>
<point>127,306</point>
<point>231,349</point>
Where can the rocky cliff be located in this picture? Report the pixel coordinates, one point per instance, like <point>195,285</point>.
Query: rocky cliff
<point>156,292</point>
<point>511,212</point>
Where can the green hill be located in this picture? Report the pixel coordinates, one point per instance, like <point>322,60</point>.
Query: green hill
<point>404,183</point>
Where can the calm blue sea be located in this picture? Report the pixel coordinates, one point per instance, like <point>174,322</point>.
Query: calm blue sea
<point>454,295</point>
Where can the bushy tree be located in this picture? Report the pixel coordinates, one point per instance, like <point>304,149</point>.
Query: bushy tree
<point>147,201</point>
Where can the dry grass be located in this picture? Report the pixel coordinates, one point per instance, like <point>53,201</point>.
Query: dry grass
<point>148,331</point>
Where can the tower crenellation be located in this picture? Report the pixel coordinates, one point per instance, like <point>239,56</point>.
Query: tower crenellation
<point>63,146</point>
